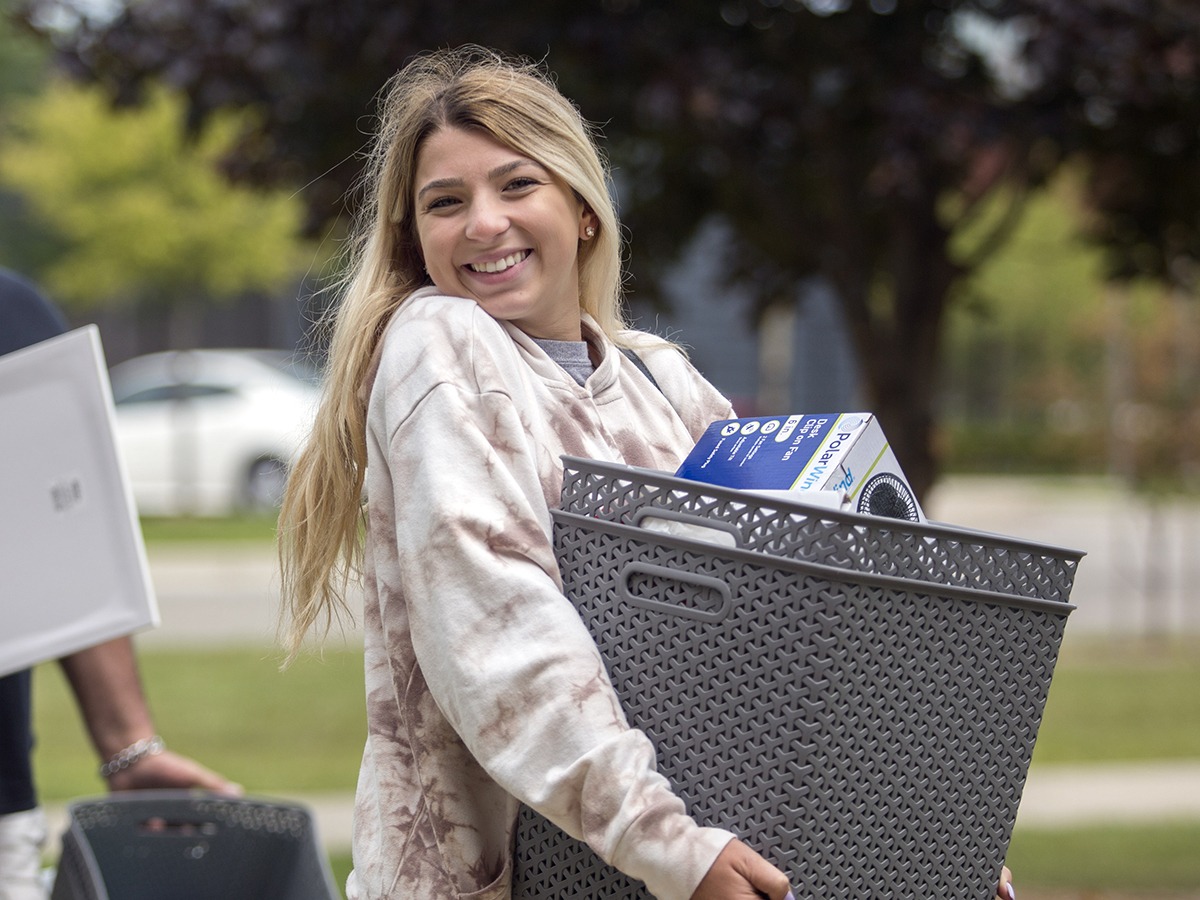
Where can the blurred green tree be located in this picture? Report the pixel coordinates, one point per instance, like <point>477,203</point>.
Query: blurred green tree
<point>24,63</point>
<point>845,139</point>
<point>23,60</point>
<point>141,211</point>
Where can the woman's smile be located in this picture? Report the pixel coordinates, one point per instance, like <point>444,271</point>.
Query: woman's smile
<point>503,264</point>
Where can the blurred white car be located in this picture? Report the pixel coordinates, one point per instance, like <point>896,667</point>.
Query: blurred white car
<point>211,432</point>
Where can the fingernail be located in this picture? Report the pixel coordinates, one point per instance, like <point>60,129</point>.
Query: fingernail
<point>1012,892</point>
<point>790,896</point>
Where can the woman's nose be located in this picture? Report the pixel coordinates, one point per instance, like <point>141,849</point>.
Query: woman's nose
<point>486,219</point>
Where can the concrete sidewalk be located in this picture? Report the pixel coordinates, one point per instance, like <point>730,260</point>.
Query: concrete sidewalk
<point>1054,797</point>
<point>1138,575</point>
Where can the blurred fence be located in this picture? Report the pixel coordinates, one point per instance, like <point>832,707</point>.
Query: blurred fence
<point>1142,572</point>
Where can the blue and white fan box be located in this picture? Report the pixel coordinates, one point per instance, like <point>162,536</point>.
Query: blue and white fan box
<point>840,460</point>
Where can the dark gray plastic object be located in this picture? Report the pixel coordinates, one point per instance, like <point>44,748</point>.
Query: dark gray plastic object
<point>150,845</point>
<point>870,734</point>
<point>864,543</point>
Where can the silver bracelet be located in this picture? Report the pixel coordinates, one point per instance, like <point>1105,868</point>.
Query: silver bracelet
<point>135,752</point>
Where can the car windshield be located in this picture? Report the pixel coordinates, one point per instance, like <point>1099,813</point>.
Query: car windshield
<point>163,376</point>
<point>294,364</point>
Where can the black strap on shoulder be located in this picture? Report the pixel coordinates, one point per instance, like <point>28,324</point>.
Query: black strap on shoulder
<point>638,361</point>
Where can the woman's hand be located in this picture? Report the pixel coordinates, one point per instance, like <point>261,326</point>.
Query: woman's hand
<point>1005,890</point>
<point>170,770</point>
<point>738,873</point>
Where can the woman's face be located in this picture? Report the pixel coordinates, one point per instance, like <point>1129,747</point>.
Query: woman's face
<point>497,227</point>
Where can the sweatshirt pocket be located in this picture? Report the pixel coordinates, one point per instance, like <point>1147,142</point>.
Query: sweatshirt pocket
<point>500,889</point>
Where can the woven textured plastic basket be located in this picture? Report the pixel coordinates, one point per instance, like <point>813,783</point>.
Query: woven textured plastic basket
<point>149,845</point>
<point>792,529</point>
<point>869,734</point>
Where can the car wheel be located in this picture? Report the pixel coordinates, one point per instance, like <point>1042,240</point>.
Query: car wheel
<point>264,485</point>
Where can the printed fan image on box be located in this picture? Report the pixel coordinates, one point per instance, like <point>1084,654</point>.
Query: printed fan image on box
<point>841,460</point>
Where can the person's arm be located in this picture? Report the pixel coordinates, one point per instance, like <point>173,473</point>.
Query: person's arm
<point>503,652</point>
<point>108,691</point>
<point>457,468</point>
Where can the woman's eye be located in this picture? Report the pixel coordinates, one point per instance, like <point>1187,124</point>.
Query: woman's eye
<point>521,182</point>
<point>440,203</point>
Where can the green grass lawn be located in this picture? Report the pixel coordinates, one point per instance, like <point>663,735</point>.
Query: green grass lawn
<point>198,528</point>
<point>301,730</point>
<point>1122,701</point>
<point>1109,859</point>
<point>1149,861</point>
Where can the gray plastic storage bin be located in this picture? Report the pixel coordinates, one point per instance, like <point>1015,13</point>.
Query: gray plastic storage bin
<point>152,845</point>
<point>870,734</point>
<point>793,529</point>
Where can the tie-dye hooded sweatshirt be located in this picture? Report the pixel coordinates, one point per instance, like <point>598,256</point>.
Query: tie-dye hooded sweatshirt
<point>484,688</point>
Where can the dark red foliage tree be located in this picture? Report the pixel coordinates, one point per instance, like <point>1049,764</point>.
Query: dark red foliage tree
<point>843,139</point>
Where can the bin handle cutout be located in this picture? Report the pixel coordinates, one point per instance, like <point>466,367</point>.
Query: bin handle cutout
<point>159,826</point>
<point>684,578</point>
<point>681,524</point>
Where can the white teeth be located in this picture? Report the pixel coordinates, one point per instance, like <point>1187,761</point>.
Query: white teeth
<point>499,265</point>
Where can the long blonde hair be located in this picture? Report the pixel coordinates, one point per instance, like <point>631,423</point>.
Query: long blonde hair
<point>518,105</point>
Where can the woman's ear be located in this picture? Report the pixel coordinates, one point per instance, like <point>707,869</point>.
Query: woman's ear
<point>588,224</point>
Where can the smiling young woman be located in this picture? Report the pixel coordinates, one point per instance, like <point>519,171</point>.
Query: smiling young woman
<point>477,341</point>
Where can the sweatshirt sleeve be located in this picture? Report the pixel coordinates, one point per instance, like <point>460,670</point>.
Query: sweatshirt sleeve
<point>504,654</point>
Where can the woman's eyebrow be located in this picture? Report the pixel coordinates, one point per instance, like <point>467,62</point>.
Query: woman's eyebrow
<point>500,171</point>
<point>439,184</point>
